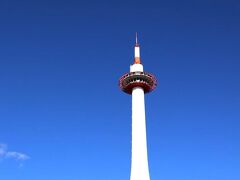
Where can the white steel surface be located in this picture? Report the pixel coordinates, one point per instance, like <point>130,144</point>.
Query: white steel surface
<point>136,68</point>
<point>137,51</point>
<point>139,164</point>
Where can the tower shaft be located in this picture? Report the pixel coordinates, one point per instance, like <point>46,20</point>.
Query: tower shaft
<point>139,163</point>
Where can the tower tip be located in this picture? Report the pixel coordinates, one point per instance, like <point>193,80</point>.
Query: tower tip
<point>137,51</point>
<point>136,39</point>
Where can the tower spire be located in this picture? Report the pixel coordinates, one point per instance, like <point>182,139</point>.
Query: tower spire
<point>137,51</point>
<point>136,38</point>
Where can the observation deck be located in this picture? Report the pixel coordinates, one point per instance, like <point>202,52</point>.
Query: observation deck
<point>131,80</point>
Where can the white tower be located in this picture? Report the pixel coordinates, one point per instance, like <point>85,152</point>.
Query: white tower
<point>136,83</point>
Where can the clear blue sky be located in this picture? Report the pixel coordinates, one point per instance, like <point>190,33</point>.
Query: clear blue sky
<point>61,106</point>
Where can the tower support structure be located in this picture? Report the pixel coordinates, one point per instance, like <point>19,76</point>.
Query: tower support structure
<point>137,83</point>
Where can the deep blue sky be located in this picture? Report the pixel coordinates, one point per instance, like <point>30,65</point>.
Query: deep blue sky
<point>59,98</point>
